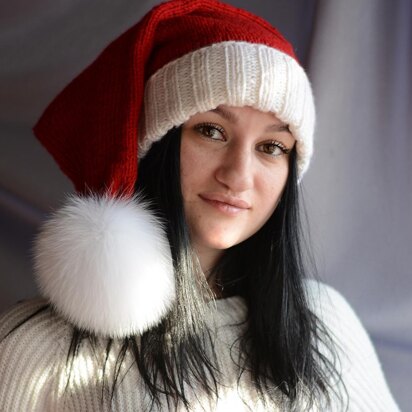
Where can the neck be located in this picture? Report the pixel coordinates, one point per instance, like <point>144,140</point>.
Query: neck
<point>208,259</point>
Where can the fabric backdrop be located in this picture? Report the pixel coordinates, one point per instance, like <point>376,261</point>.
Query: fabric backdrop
<point>358,190</point>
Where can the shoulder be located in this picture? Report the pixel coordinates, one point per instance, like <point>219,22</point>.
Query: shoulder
<point>358,363</point>
<point>31,327</point>
<point>319,294</point>
<point>329,304</point>
<point>339,318</point>
<point>30,317</point>
<point>31,336</point>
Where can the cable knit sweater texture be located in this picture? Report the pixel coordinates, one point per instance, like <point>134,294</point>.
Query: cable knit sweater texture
<point>33,372</point>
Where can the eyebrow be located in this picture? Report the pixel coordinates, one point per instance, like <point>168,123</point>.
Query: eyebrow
<point>233,118</point>
<point>226,114</point>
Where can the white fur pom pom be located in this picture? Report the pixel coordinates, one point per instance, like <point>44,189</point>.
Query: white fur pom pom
<point>105,264</point>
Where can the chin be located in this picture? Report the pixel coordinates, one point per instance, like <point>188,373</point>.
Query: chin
<point>222,243</point>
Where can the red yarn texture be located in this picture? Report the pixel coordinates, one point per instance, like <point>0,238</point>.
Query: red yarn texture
<point>91,127</point>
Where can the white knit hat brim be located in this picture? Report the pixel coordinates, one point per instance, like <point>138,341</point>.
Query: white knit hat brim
<point>235,74</point>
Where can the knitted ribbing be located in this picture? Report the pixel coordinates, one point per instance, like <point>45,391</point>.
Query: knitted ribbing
<point>235,74</point>
<point>33,358</point>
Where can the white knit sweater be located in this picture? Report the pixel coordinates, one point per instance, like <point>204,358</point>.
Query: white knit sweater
<point>33,372</point>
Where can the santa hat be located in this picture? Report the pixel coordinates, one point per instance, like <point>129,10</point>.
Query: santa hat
<point>103,260</point>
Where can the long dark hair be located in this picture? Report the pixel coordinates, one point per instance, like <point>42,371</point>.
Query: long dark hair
<point>282,336</point>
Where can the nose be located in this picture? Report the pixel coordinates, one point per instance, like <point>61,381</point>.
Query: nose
<point>235,170</point>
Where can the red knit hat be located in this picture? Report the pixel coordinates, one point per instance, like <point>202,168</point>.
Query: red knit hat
<point>183,57</point>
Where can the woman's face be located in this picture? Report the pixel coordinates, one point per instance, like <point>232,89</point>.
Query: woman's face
<point>234,166</point>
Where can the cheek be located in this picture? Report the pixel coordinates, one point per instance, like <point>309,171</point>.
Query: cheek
<point>272,186</point>
<point>196,168</point>
<point>188,170</point>
<point>194,172</point>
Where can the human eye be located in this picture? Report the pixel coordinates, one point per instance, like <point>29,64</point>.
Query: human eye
<point>211,131</point>
<point>273,148</point>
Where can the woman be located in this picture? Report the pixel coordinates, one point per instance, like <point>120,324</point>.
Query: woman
<point>176,281</point>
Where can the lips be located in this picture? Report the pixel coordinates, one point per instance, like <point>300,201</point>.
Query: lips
<point>231,201</point>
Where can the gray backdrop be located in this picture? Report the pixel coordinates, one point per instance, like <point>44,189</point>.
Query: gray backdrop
<point>358,190</point>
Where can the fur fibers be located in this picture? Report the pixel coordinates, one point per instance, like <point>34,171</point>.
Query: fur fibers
<point>105,264</point>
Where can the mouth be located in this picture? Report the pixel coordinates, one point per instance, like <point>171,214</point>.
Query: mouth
<point>228,204</point>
